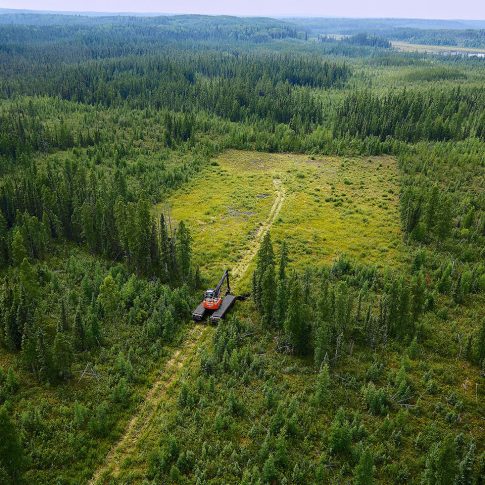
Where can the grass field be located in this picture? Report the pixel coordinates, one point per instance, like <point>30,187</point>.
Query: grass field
<point>437,49</point>
<point>332,206</point>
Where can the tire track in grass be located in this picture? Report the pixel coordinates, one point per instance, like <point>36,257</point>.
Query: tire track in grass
<point>240,268</point>
<point>140,424</point>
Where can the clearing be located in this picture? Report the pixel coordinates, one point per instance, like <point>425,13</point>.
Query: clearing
<point>438,49</point>
<point>333,205</point>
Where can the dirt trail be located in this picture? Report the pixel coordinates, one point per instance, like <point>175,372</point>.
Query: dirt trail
<point>240,268</point>
<point>140,424</point>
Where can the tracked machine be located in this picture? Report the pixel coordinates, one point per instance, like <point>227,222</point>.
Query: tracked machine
<point>214,305</point>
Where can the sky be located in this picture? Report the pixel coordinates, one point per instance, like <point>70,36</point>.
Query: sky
<point>433,9</point>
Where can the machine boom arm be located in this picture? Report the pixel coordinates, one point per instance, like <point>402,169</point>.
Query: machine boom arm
<point>225,276</point>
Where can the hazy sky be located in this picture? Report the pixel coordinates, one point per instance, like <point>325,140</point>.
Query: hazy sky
<point>436,9</point>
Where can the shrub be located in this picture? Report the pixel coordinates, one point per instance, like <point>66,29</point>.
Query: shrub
<point>323,384</point>
<point>340,434</point>
<point>376,399</point>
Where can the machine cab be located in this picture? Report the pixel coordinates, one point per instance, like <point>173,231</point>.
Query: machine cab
<point>211,300</point>
<point>209,295</point>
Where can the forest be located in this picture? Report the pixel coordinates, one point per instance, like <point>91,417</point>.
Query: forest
<point>342,184</point>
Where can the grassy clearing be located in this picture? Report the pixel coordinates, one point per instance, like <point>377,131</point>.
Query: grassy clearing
<point>332,206</point>
<point>407,47</point>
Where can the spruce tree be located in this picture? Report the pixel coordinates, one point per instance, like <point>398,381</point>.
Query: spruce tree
<point>391,304</point>
<point>29,280</point>
<point>322,387</point>
<point>28,346</point>
<point>13,320</point>
<point>168,324</point>
<point>264,259</point>
<point>364,471</point>
<point>62,354</point>
<point>296,326</point>
<point>418,295</point>
<point>340,433</point>
<point>283,262</point>
<point>441,464</point>
<point>183,248</point>
<point>322,343</point>
<point>281,297</point>
<point>3,241</point>
<point>444,219</point>
<point>281,304</point>
<point>465,467</point>
<point>19,251</point>
<point>164,250</point>
<point>270,474</point>
<point>154,250</point>
<point>42,357</point>
<point>405,324</point>
<point>444,283</point>
<point>142,226</point>
<point>91,326</point>
<point>12,459</point>
<point>431,209</point>
<point>109,297</point>
<point>63,324</point>
<point>78,330</point>
<point>480,346</point>
<point>343,309</point>
<point>268,295</point>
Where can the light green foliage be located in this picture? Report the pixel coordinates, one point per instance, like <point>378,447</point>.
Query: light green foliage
<point>340,434</point>
<point>269,470</point>
<point>480,346</point>
<point>441,463</point>
<point>12,460</point>
<point>466,466</point>
<point>110,299</point>
<point>19,251</point>
<point>322,393</point>
<point>8,384</point>
<point>364,471</point>
<point>376,399</point>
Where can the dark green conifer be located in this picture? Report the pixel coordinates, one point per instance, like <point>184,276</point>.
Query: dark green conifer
<point>184,252</point>
<point>12,460</point>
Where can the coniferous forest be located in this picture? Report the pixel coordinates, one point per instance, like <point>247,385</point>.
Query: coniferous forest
<point>141,156</point>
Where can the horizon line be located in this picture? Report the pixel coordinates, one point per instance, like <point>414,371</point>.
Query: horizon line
<point>166,14</point>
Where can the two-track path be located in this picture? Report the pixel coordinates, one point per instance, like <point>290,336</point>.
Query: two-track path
<point>140,424</point>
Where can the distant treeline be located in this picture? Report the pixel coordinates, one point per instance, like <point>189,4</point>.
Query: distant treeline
<point>238,87</point>
<point>461,38</point>
<point>361,39</point>
<point>453,114</point>
<point>419,31</point>
<point>151,29</point>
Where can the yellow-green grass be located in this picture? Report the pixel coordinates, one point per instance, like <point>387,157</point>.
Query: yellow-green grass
<point>407,47</point>
<point>332,206</point>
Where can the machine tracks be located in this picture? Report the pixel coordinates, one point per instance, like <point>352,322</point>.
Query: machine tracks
<point>141,423</point>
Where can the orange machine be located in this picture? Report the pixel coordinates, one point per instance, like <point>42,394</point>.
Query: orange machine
<point>212,297</point>
<point>214,304</point>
